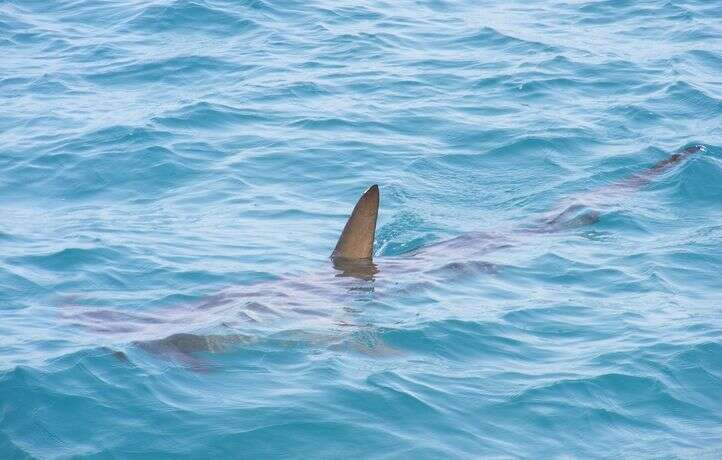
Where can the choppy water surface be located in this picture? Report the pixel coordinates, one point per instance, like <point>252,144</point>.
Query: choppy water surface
<point>174,175</point>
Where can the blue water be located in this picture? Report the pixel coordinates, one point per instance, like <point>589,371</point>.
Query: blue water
<point>175,173</point>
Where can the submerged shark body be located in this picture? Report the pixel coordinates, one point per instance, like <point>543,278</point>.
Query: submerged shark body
<point>314,300</point>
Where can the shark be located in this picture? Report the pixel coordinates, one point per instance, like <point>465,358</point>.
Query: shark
<point>353,253</point>
<point>314,299</point>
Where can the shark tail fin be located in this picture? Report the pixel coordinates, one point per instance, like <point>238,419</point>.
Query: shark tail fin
<point>663,166</point>
<point>357,238</point>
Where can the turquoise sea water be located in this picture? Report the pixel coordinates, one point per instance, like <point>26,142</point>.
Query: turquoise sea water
<point>175,173</point>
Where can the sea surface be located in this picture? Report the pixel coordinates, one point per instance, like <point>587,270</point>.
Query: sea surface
<point>175,173</point>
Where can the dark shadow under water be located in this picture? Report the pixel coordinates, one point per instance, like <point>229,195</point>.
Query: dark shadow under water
<point>313,300</point>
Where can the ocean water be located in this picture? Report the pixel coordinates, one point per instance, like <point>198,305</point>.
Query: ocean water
<point>175,173</point>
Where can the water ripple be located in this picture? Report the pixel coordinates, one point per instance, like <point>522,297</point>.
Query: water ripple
<point>174,174</point>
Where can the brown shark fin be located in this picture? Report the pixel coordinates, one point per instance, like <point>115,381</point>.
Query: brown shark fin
<point>357,238</point>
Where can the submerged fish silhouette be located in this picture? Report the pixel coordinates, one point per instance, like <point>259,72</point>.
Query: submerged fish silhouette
<point>352,258</point>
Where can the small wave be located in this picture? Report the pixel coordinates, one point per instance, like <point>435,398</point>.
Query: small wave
<point>173,70</point>
<point>208,115</point>
<point>491,37</point>
<point>188,16</point>
<point>72,258</point>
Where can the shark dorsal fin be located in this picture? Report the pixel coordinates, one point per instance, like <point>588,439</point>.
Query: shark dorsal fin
<point>357,238</point>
